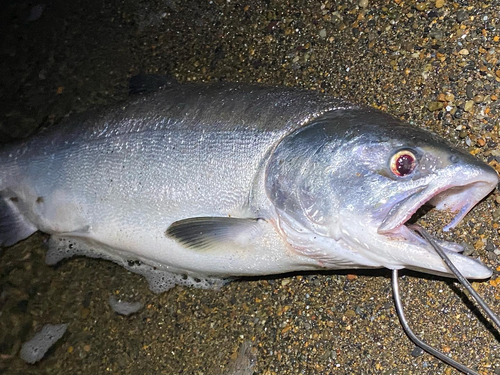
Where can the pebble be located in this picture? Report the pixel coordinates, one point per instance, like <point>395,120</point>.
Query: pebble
<point>421,6</point>
<point>350,313</point>
<point>469,104</point>
<point>478,99</point>
<point>490,246</point>
<point>435,106</point>
<point>496,214</point>
<point>417,351</point>
<point>440,3</point>
<point>469,91</point>
<point>458,113</point>
<point>84,313</point>
<point>462,15</point>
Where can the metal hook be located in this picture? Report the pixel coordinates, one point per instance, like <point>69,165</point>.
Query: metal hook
<point>399,306</point>
<point>420,343</point>
<point>459,276</point>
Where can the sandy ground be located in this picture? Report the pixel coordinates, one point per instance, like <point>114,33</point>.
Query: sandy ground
<point>435,64</point>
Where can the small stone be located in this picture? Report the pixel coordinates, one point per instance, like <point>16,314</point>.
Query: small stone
<point>464,52</point>
<point>462,15</point>
<point>437,34</point>
<point>494,97</point>
<point>36,12</point>
<point>468,249</point>
<point>490,246</point>
<point>469,91</point>
<point>496,214</point>
<point>322,33</point>
<point>84,313</point>
<point>363,3</point>
<point>481,142</point>
<point>350,313</point>
<point>479,244</point>
<point>469,104</point>
<point>421,6</point>
<point>440,3</point>
<point>417,352</point>
<point>435,106</point>
<point>478,99</point>
<point>351,277</point>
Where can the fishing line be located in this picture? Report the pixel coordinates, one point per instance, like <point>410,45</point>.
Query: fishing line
<point>399,306</point>
<point>459,276</point>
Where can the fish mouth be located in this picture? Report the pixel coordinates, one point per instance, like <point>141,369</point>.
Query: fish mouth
<point>457,199</point>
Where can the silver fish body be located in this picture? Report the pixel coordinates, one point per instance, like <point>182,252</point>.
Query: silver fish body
<point>214,181</point>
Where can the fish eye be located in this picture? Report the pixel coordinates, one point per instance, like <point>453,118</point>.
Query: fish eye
<point>403,163</point>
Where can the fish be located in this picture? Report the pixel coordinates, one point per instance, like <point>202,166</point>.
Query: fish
<point>196,184</point>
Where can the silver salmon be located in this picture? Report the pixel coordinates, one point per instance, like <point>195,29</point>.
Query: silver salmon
<point>197,183</point>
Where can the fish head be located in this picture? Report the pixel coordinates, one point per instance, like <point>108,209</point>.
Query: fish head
<point>346,186</point>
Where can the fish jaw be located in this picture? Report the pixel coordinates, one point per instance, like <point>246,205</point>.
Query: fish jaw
<point>457,195</point>
<point>417,254</point>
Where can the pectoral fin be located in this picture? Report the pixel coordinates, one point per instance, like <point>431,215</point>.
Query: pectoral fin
<point>14,227</point>
<point>214,233</point>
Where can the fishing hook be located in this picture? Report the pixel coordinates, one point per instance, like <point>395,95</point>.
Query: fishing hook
<point>399,306</point>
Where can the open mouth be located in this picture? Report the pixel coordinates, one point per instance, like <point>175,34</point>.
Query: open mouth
<point>397,224</point>
<point>410,249</point>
